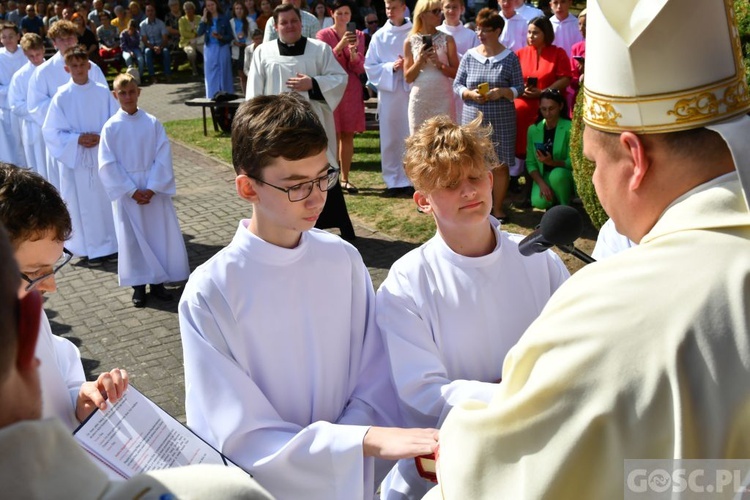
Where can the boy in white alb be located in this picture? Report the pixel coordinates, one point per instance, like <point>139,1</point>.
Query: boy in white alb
<point>48,78</point>
<point>11,60</point>
<point>71,131</point>
<point>464,37</point>
<point>38,224</point>
<point>285,371</point>
<point>140,182</point>
<point>565,25</point>
<point>516,26</point>
<point>31,133</point>
<point>384,65</point>
<point>451,309</point>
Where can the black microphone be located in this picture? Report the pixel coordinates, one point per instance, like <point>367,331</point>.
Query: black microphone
<point>560,227</point>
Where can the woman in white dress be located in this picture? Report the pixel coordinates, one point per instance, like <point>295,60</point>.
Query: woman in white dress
<point>430,62</point>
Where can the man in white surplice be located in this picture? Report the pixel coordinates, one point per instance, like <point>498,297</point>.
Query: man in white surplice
<point>304,65</point>
<point>71,131</point>
<point>140,182</point>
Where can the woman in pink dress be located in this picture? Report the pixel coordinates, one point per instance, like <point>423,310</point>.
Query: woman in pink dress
<point>349,50</point>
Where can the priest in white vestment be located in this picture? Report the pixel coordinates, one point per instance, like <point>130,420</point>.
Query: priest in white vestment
<point>48,78</point>
<point>384,65</point>
<point>31,133</point>
<point>294,63</point>
<point>11,60</point>
<point>71,131</point>
<point>140,182</point>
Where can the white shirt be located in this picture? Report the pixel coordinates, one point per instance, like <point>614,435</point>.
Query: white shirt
<point>567,33</point>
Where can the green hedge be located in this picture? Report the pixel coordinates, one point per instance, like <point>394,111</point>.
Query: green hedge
<point>584,169</point>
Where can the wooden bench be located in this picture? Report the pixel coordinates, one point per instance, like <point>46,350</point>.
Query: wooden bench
<point>204,103</point>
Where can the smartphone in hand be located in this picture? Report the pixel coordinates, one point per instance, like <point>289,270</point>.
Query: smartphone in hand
<point>351,27</point>
<point>483,88</point>
<point>532,81</point>
<point>427,41</point>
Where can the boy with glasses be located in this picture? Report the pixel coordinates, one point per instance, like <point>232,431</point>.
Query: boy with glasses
<point>285,371</point>
<point>37,236</point>
<point>140,183</point>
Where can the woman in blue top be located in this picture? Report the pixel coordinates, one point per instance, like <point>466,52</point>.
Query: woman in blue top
<point>217,57</point>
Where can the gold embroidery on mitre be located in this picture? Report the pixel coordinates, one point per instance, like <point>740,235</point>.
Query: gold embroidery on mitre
<point>601,112</point>
<point>706,105</point>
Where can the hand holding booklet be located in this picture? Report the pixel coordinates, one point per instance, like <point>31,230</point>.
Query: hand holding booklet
<point>135,435</point>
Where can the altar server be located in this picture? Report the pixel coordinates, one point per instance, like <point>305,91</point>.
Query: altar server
<point>71,131</point>
<point>31,133</point>
<point>49,77</point>
<point>643,355</point>
<point>285,371</point>
<point>11,60</point>
<point>140,182</point>
<point>451,309</point>
<point>384,65</point>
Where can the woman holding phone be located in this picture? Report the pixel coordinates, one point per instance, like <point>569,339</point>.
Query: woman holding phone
<point>430,62</point>
<point>488,79</point>
<point>544,66</point>
<point>348,46</point>
<point>217,57</point>
<point>548,153</point>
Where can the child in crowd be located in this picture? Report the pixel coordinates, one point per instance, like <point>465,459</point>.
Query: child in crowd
<point>464,37</point>
<point>130,43</point>
<point>285,371</point>
<point>450,310</point>
<point>565,25</point>
<point>140,182</point>
<point>31,133</point>
<point>71,131</point>
<point>49,77</point>
<point>11,60</point>
<point>38,236</point>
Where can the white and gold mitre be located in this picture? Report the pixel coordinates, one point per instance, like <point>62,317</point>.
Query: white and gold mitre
<point>662,65</point>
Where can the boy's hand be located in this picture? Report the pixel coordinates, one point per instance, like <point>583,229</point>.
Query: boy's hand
<point>393,443</point>
<point>143,196</point>
<point>88,140</point>
<point>398,64</point>
<point>108,386</point>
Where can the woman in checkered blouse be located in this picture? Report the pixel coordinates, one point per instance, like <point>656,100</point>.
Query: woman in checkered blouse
<point>493,64</point>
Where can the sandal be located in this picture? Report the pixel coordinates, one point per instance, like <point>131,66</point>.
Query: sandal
<point>349,187</point>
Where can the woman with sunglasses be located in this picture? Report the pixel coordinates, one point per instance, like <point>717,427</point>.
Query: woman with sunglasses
<point>430,62</point>
<point>548,153</point>
<point>488,79</point>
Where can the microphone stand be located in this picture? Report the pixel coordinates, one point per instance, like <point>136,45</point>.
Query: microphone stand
<point>587,259</point>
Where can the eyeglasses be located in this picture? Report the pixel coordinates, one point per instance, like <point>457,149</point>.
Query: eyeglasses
<point>485,31</point>
<point>436,12</point>
<point>64,259</point>
<point>303,190</point>
<point>374,21</point>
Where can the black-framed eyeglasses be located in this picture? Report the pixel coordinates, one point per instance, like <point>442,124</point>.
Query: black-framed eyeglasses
<point>303,190</point>
<point>64,259</point>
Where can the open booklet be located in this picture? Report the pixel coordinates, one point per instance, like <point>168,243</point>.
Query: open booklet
<point>135,435</point>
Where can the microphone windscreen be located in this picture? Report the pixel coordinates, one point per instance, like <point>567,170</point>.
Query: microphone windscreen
<point>561,225</point>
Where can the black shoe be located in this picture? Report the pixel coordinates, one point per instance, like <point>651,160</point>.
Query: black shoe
<point>391,192</point>
<point>160,292</point>
<point>139,296</point>
<point>407,191</point>
<point>111,257</point>
<point>97,262</point>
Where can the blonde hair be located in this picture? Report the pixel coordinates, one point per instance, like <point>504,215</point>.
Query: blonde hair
<point>31,41</point>
<point>422,7</point>
<point>61,29</point>
<point>441,153</point>
<point>123,80</point>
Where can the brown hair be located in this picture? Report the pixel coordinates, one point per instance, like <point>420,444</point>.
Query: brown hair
<point>441,153</point>
<point>9,26</point>
<point>285,7</point>
<point>545,25</point>
<point>30,207</point>
<point>31,41</point>
<point>275,126</point>
<point>76,52</point>
<point>9,283</point>
<point>489,18</point>
<point>61,29</point>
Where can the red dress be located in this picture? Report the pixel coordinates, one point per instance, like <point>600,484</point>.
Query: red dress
<point>551,66</point>
<point>349,115</point>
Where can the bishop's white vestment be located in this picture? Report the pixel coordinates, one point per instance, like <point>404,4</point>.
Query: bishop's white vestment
<point>75,110</point>
<point>386,45</point>
<point>284,367</point>
<point>150,243</point>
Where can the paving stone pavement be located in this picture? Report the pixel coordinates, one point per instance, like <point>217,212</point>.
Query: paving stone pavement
<point>92,311</point>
